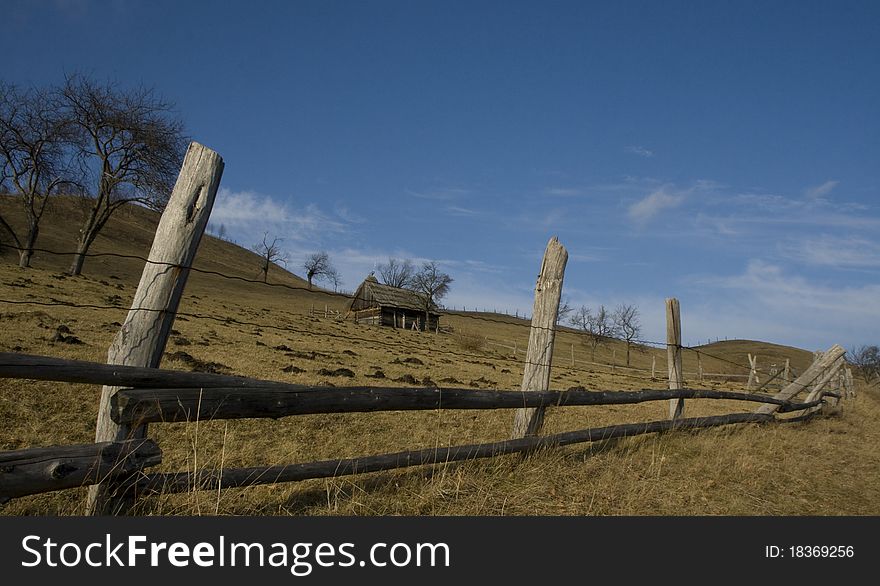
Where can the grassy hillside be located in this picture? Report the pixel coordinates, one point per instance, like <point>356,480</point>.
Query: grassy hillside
<point>826,466</point>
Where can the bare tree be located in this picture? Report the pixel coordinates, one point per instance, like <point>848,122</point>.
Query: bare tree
<point>270,253</point>
<point>397,273</point>
<point>565,309</point>
<point>432,284</point>
<point>129,141</point>
<point>34,159</point>
<point>318,267</point>
<point>598,326</point>
<point>626,320</point>
<point>334,279</point>
<point>867,360</point>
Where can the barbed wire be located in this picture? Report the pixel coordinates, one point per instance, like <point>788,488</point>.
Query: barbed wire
<point>292,329</point>
<point>351,298</point>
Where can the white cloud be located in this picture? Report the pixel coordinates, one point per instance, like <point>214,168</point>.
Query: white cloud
<point>834,251</point>
<point>645,209</point>
<point>246,215</point>
<point>794,308</point>
<point>639,150</point>
<point>820,191</point>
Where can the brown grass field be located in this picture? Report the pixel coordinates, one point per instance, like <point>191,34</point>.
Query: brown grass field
<point>826,466</point>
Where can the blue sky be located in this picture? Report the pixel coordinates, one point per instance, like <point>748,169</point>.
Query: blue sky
<point>725,153</point>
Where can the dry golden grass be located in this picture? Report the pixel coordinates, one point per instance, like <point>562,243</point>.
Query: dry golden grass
<point>825,466</point>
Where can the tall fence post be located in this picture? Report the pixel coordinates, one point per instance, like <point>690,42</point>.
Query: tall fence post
<point>536,375</point>
<point>141,339</point>
<point>673,355</point>
<point>786,374</point>
<point>653,366</point>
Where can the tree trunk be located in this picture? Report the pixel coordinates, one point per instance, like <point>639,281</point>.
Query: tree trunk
<point>26,251</point>
<point>88,233</point>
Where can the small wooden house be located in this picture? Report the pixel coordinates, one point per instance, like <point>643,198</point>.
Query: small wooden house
<point>384,305</point>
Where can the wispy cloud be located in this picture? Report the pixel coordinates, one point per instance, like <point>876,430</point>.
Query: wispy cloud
<point>820,191</point>
<point>562,191</point>
<point>782,304</point>
<point>645,209</point>
<point>247,214</point>
<point>441,194</point>
<point>639,150</point>
<point>834,251</point>
<point>460,211</point>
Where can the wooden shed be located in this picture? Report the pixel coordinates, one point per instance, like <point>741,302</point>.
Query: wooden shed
<point>384,305</point>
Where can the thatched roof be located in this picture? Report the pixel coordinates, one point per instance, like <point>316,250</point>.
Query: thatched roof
<point>372,292</point>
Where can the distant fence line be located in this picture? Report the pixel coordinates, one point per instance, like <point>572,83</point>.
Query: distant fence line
<point>136,393</point>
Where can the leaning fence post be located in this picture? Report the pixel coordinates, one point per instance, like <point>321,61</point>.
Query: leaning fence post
<point>536,375</point>
<point>653,366</point>
<point>141,339</point>
<point>673,355</point>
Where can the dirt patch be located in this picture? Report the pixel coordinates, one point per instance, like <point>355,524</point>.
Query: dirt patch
<point>338,372</point>
<point>197,364</point>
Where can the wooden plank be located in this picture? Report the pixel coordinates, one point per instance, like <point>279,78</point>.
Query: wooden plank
<point>673,355</point>
<point>809,376</point>
<point>536,375</point>
<point>142,338</point>
<point>36,470</point>
<point>235,477</point>
<point>135,406</point>
<point>27,366</point>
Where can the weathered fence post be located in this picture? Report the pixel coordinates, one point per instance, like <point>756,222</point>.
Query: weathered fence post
<point>653,366</point>
<point>786,374</point>
<point>753,372</point>
<point>142,338</point>
<point>700,366</point>
<point>673,355</point>
<point>536,376</point>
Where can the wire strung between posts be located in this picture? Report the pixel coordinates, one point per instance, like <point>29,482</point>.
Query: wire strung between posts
<point>306,289</point>
<point>350,297</point>
<point>229,320</point>
<point>290,329</point>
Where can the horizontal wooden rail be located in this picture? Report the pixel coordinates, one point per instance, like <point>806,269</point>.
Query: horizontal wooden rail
<point>28,366</point>
<point>37,470</point>
<point>237,477</point>
<point>139,406</point>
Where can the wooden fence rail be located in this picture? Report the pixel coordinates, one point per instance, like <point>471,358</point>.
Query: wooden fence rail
<point>37,470</point>
<point>237,477</point>
<point>207,396</point>
<point>139,406</point>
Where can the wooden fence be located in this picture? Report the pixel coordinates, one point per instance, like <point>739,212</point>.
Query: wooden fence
<point>136,393</point>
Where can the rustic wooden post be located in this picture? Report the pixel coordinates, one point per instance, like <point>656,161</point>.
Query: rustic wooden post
<point>850,383</point>
<point>653,367</point>
<point>753,371</point>
<point>700,366</point>
<point>142,338</point>
<point>786,374</point>
<point>673,355</point>
<point>572,355</point>
<point>536,376</point>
